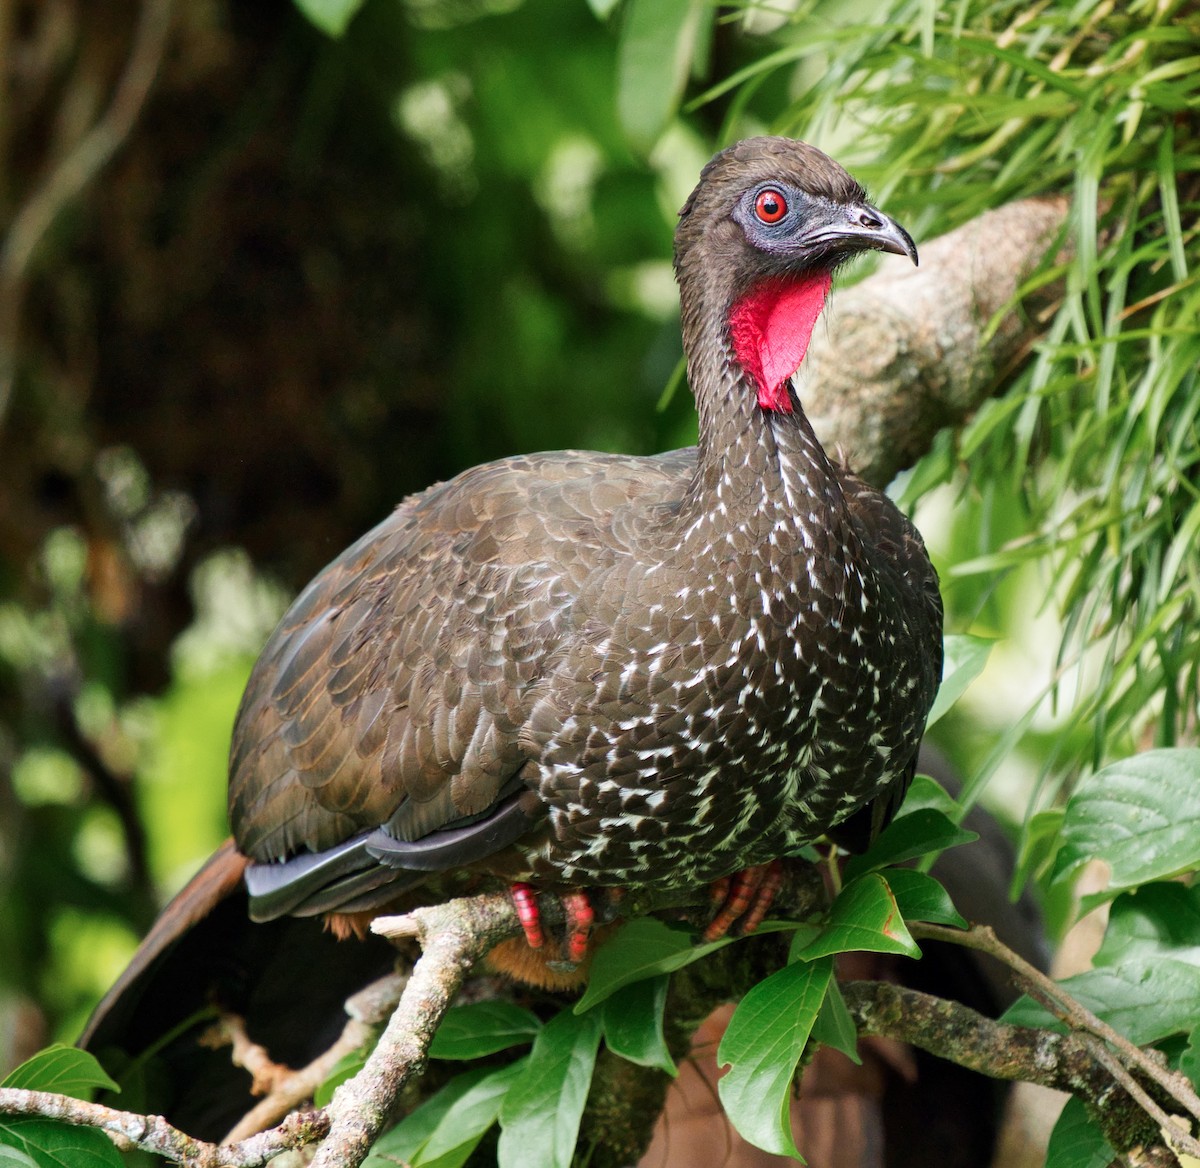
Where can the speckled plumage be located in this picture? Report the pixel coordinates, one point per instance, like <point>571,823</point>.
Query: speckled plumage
<point>660,670</point>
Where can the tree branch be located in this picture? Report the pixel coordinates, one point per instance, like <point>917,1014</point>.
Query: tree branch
<point>152,1133</point>
<point>368,1010</point>
<point>955,1032</point>
<point>1067,1009</point>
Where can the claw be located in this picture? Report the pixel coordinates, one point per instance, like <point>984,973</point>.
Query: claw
<point>746,897</point>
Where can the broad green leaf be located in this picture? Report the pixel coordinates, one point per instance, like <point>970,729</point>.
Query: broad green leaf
<point>834,1027</point>
<point>539,1118</point>
<point>633,1024</point>
<point>863,917</point>
<point>1145,999</point>
<point>1159,920</point>
<point>763,1043</point>
<point>15,1158</point>
<point>921,833</point>
<point>924,792</point>
<point>1076,1142</point>
<point>921,898</point>
<point>646,947</point>
<point>330,16</point>
<point>59,1145</point>
<point>1141,816</point>
<point>444,1130</point>
<point>603,9</point>
<point>965,658</point>
<point>483,1028</point>
<point>63,1070</point>
<point>1189,1061</point>
<point>643,948</point>
<point>658,40</point>
<point>459,1131</point>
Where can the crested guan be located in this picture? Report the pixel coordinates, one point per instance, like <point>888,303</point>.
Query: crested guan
<point>578,670</point>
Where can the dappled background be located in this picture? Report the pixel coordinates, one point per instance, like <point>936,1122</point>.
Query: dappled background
<point>315,272</point>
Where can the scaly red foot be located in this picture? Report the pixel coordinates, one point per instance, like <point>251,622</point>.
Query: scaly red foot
<point>524,899</point>
<point>746,896</point>
<point>580,918</point>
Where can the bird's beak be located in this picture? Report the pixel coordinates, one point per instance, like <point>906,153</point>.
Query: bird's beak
<point>861,227</point>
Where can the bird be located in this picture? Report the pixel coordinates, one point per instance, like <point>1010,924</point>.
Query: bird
<point>577,671</point>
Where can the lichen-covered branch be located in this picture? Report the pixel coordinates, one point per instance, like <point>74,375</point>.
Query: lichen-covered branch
<point>152,1133</point>
<point>1125,1054</point>
<point>955,1032</point>
<point>912,350</point>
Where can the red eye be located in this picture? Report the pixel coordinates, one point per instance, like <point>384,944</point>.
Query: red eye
<point>770,206</point>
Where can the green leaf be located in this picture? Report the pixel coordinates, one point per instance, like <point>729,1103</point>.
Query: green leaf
<point>1158,920</point>
<point>763,1043</point>
<point>330,16</point>
<point>646,947</point>
<point>15,1158</point>
<point>444,1130</point>
<point>1141,815</point>
<point>643,948</point>
<point>965,658</point>
<point>63,1070</point>
<point>483,1028</point>
<point>539,1118</point>
<point>834,1026</point>
<point>921,833</point>
<point>1189,1060</point>
<point>1146,999</point>
<point>343,1071</point>
<point>921,898</point>
<point>658,41</point>
<point>924,792</point>
<point>633,1024</point>
<point>863,918</point>
<point>60,1145</point>
<point>1076,1142</point>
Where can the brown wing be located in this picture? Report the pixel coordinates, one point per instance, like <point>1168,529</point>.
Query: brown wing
<point>897,550</point>
<point>394,690</point>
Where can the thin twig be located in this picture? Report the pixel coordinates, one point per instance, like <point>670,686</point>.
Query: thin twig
<point>1181,1140</point>
<point>368,1010</point>
<point>72,175</point>
<point>983,939</point>
<point>152,1133</point>
<point>952,1031</point>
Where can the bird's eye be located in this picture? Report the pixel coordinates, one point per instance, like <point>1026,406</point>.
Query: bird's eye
<point>770,206</point>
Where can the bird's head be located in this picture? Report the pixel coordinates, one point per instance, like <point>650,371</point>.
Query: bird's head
<point>758,241</point>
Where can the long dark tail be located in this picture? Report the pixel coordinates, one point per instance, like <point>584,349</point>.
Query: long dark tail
<point>287,978</point>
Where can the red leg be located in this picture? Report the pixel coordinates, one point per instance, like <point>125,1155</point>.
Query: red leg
<point>524,899</point>
<point>746,897</point>
<point>580,916</point>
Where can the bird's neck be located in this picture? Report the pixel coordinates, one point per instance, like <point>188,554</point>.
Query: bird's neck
<point>756,462</point>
